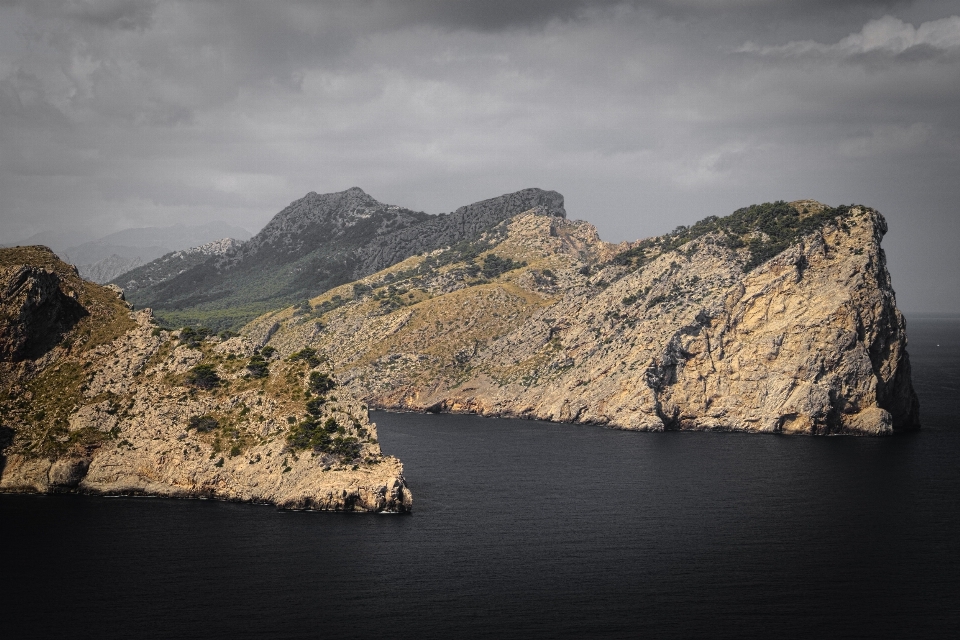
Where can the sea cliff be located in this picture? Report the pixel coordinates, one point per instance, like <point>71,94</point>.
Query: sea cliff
<point>780,318</point>
<point>96,398</point>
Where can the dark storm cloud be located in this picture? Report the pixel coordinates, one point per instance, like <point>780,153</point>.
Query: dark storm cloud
<point>644,114</point>
<point>492,15</point>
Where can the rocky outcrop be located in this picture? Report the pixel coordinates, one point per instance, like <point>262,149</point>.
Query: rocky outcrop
<point>779,319</point>
<point>34,312</point>
<point>116,405</point>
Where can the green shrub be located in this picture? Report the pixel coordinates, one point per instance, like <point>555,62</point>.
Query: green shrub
<point>302,307</point>
<point>360,290</point>
<point>320,382</point>
<point>494,265</point>
<point>257,367</point>
<point>193,337</point>
<point>315,405</point>
<point>203,376</point>
<point>307,355</point>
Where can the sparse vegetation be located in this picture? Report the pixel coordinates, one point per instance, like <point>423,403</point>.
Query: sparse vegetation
<point>765,229</point>
<point>203,424</point>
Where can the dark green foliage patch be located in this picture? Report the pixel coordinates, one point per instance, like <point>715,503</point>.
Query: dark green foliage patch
<point>320,382</point>
<point>765,229</point>
<point>192,337</point>
<point>307,355</point>
<point>203,376</point>
<point>494,265</point>
<point>258,367</point>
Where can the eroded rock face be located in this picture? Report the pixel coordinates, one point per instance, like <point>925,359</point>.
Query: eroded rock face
<point>697,338</point>
<point>34,312</point>
<point>117,407</point>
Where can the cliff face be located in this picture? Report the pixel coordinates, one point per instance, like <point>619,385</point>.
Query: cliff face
<point>98,399</point>
<point>778,319</point>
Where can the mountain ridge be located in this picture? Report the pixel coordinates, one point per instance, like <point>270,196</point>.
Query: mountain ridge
<point>317,242</point>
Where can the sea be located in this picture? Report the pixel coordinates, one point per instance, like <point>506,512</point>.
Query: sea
<point>525,529</point>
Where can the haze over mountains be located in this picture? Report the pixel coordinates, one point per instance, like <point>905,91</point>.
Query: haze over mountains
<point>105,258</point>
<point>316,243</point>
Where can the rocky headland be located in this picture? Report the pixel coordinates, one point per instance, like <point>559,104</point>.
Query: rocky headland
<point>97,398</point>
<point>779,318</point>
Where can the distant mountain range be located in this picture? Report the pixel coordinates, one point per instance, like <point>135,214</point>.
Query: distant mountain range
<point>316,243</point>
<point>166,267</point>
<point>105,258</point>
<point>109,268</point>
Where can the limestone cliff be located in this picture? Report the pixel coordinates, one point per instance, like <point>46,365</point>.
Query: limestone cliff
<point>780,318</point>
<point>98,399</point>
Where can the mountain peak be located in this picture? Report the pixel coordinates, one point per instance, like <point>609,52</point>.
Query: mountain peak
<point>320,241</point>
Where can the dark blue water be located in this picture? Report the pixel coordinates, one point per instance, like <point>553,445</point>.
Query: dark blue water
<point>533,530</point>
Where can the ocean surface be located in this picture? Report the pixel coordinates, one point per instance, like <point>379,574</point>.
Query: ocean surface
<point>532,530</point>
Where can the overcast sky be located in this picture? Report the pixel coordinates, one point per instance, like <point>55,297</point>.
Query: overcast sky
<point>645,115</point>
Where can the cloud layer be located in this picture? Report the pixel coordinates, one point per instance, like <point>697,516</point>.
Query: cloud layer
<point>120,113</point>
<point>887,35</point>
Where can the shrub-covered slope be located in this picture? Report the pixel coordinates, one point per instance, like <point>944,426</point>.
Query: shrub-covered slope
<point>778,318</point>
<point>98,399</point>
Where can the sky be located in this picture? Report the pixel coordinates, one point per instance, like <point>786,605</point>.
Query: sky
<point>645,115</point>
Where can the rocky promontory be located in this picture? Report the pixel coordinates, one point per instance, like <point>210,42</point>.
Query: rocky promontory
<point>96,398</point>
<point>779,318</point>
